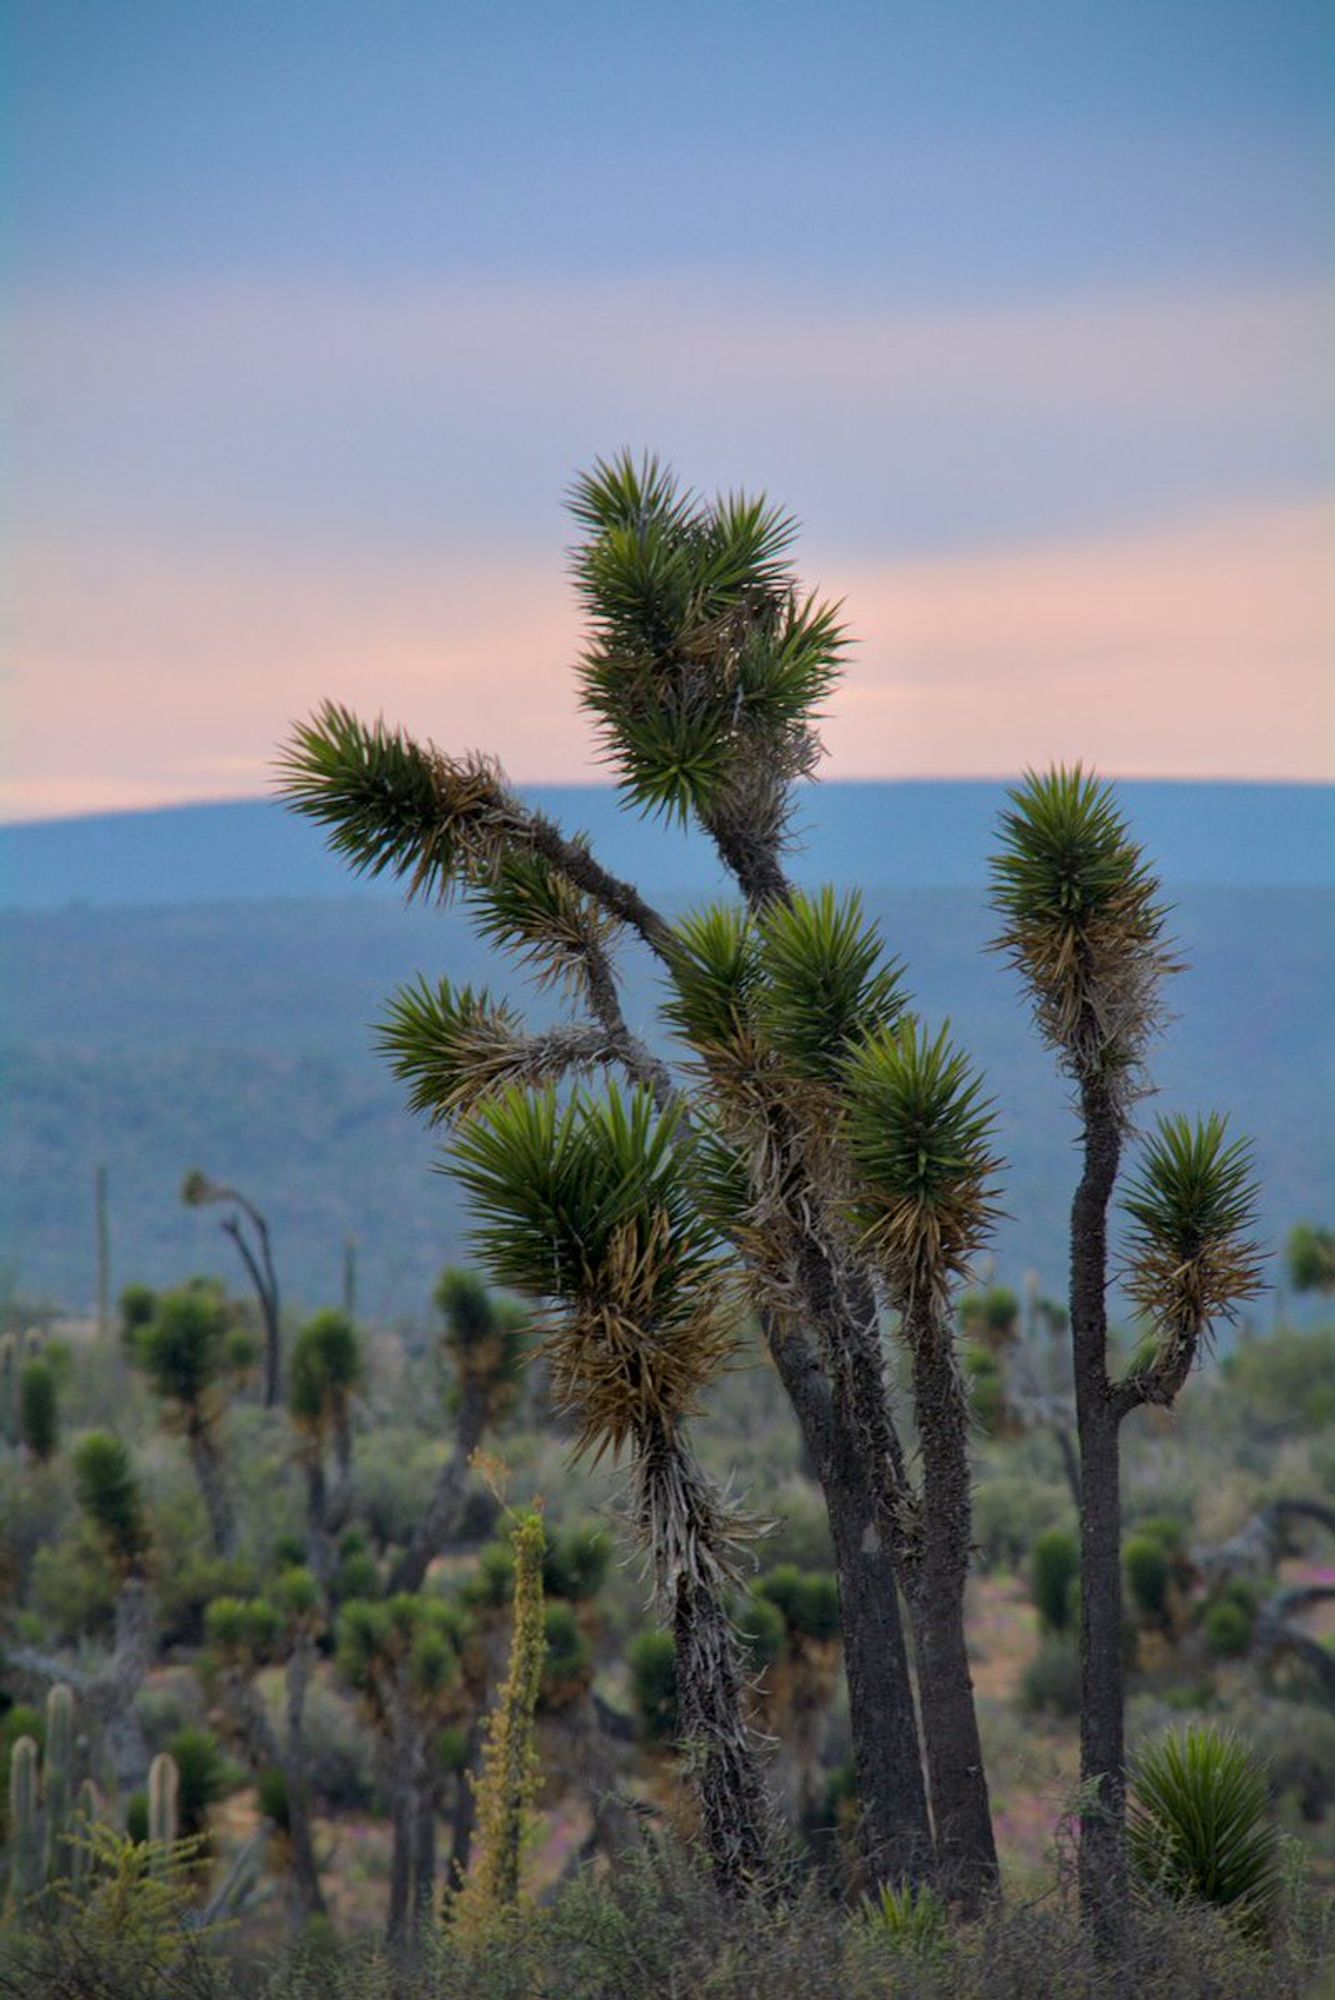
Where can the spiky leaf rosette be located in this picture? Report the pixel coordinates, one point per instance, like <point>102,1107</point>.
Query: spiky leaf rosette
<point>706,667</point>
<point>825,983</point>
<point>1192,1258</point>
<point>109,1495</point>
<point>920,1138</point>
<point>1082,921</point>
<point>528,907</point>
<point>590,1205</point>
<point>326,1370</point>
<point>1201,1827</point>
<point>391,806</point>
<point>455,1048</point>
<point>715,967</point>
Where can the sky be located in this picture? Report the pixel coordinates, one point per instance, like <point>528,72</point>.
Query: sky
<point>315,308</point>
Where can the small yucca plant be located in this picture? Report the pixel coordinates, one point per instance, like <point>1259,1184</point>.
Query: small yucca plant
<point>1192,1258</point>
<point>913,1921</point>
<point>1201,1828</point>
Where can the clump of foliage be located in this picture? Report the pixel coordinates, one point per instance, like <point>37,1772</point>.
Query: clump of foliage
<point>1200,1825</point>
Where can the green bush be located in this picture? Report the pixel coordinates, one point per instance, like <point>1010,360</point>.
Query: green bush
<point>1228,1629</point>
<point>1054,1570</point>
<point>1148,1574</point>
<point>568,1665</point>
<point>1200,1825</point>
<point>1050,1684</point>
<point>73,1588</point>
<point>203,1775</point>
<point>109,1495</point>
<point>39,1413</point>
<point>1286,1382</point>
<point>652,1658</point>
<point>762,1629</point>
<point>576,1563</point>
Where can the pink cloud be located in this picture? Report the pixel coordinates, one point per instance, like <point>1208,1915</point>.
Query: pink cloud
<point>1197,650</point>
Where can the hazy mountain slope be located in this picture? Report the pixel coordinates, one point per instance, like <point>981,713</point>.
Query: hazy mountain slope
<point>236,1036</point>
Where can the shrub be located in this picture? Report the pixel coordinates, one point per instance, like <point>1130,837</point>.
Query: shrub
<point>568,1663</point>
<point>1228,1629</point>
<point>1055,1567</point>
<point>652,1658</point>
<point>109,1495</point>
<point>762,1630</point>
<point>39,1416</point>
<point>202,1769</point>
<point>1147,1574</point>
<point>1050,1683</point>
<point>1200,1826</point>
<point>576,1563</point>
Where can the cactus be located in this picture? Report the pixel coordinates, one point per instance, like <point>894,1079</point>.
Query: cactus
<point>164,1815</point>
<point>58,1781</point>
<point>25,1867</point>
<point>87,1816</point>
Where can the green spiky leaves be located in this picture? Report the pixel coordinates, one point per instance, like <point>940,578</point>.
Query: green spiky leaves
<point>455,1049</point>
<point>920,1137</point>
<point>704,660</point>
<point>589,1205</point>
<point>1192,1256</point>
<point>801,985</point>
<point>825,983</point>
<point>391,806</point>
<point>1082,920</point>
<point>530,908</point>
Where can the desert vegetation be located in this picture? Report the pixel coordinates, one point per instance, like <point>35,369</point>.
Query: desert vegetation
<point>729,1583</point>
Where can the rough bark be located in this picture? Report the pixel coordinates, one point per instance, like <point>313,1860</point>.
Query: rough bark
<point>681,1527</point>
<point>894,1830</point>
<point>1103,1853</point>
<point>966,1849</point>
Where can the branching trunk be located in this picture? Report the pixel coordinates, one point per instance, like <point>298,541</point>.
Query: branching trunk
<point>895,1834</point>
<point>445,1507</point>
<point>1103,1853</point>
<point>965,1843</point>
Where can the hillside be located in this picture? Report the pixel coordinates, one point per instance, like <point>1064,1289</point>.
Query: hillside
<point>236,1036</point>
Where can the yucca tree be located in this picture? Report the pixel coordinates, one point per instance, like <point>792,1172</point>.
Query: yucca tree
<point>590,1206</point>
<point>920,1136</point>
<point>1084,923</point>
<point>404,1656</point>
<point>179,1340</point>
<point>705,670</point>
<point>249,1230</point>
<point>484,1341</point>
<point>326,1371</point>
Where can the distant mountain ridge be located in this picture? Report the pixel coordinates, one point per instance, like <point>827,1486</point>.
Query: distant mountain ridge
<point>887,834</point>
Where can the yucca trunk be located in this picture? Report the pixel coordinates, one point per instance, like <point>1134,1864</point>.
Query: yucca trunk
<point>296,1775</point>
<point>894,1832</point>
<point>966,1851</point>
<point>685,1535</point>
<point>1103,1857</point>
<point>213,1488</point>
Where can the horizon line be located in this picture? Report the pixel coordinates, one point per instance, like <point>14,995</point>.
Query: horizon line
<point>610,786</point>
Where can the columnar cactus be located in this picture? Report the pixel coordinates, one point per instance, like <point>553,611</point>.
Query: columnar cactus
<point>87,1814</point>
<point>164,1808</point>
<point>25,1846</point>
<point>58,1781</point>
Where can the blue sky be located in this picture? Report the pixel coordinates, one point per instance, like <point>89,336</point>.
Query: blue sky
<point>314,302</point>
